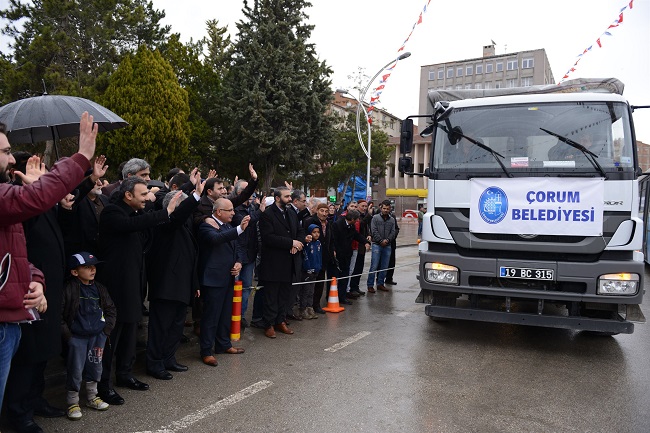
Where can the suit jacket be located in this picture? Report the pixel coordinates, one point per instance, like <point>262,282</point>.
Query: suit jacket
<point>172,259</point>
<point>343,236</point>
<point>278,233</point>
<point>218,253</point>
<point>121,248</point>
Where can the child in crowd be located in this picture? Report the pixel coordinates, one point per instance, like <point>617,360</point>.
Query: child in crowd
<point>311,266</point>
<point>88,318</point>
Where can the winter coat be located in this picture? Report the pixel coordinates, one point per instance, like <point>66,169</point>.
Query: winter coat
<point>70,307</point>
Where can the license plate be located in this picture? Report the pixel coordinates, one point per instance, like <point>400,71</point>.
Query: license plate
<point>526,273</point>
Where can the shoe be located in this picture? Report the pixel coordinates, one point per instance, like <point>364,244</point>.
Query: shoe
<point>294,317</point>
<point>111,397</point>
<point>26,426</point>
<point>361,292</point>
<point>74,412</point>
<point>282,327</point>
<point>244,323</point>
<point>345,302</point>
<point>234,351</point>
<point>353,295</point>
<point>319,310</point>
<point>391,283</point>
<point>269,332</point>
<point>176,367</point>
<point>161,375</point>
<point>312,314</point>
<point>210,360</point>
<point>132,383</point>
<point>371,289</point>
<point>49,411</point>
<point>383,288</point>
<point>96,403</point>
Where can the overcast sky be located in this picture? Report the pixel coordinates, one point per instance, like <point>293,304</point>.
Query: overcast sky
<point>350,34</point>
<point>367,33</point>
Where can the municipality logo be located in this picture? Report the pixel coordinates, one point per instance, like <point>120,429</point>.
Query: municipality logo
<point>493,205</point>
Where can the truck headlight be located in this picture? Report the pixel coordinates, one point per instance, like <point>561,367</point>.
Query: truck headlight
<point>439,273</point>
<point>618,284</point>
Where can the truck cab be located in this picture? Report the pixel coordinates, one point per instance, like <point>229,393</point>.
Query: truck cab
<point>533,207</point>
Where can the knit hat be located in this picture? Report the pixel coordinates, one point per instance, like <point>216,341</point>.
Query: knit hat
<point>312,227</point>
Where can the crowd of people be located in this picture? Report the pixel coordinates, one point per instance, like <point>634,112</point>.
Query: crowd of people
<point>81,257</point>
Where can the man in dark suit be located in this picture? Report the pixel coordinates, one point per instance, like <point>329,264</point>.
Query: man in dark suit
<point>282,238</point>
<point>121,227</point>
<point>344,232</point>
<point>171,273</point>
<point>220,260</point>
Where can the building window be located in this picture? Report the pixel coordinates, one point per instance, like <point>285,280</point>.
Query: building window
<point>478,85</point>
<point>468,86</point>
<point>527,64</point>
<point>469,70</point>
<point>459,71</point>
<point>511,83</point>
<point>488,84</point>
<point>479,69</point>
<point>459,87</point>
<point>441,74</point>
<point>512,65</point>
<point>526,82</point>
<point>432,75</point>
<point>497,84</point>
<point>488,68</point>
<point>499,66</point>
<point>450,73</point>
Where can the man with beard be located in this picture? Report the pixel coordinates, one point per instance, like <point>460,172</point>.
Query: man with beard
<point>362,225</point>
<point>22,284</point>
<point>281,242</point>
<point>122,227</point>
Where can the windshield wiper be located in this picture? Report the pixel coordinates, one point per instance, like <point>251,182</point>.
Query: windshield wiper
<point>591,157</point>
<point>457,131</point>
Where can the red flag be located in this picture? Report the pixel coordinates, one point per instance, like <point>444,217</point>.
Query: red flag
<point>598,42</point>
<point>631,3</point>
<point>620,18</point>
<point>379,87</point>
<point>420,19</point>
<point>566,76</point>
<point>385,77</point>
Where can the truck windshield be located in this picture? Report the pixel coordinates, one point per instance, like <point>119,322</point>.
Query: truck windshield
<point>517,133</point>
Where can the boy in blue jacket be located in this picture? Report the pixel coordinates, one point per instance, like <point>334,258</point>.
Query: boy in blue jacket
<point>311,266</point>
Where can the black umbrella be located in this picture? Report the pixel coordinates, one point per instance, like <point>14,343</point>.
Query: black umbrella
<point>51,117</point>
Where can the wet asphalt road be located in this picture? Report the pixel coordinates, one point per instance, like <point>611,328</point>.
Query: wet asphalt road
<point>399,372</point>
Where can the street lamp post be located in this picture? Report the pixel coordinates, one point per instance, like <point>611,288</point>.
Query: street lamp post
<point>360,106</point>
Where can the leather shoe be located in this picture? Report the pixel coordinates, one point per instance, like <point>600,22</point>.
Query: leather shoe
<point>383,288</point>
<point>319,310</point>
<point>391,282</point>
<point>161,375</point>
<point>269,332</point>
<point>282,327</point>
<point>110,396</point>
<point>371,289</point>
<point>210,360</point>
<point>132,383</point>
<point>354,295</point>
<point>176,367</point>
<point>234,351</point>
<point>26,426</point>
<point>49,411</point>
<point>345,302</point>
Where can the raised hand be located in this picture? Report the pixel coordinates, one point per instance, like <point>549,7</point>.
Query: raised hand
<point>99,168</point>
<point>212,173</point>
<point>87,135</point>
<point>288,185</point>
<point>245,221</point>
<point>193,178</point>
<point>171,207</point>
<point>67,202</point>
<point>33,170</point>
<point>200,186</point>
<point>252,171</point>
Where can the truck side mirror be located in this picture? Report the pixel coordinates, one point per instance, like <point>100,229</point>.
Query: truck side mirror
<point>405,164</point>
<point>406,137</point>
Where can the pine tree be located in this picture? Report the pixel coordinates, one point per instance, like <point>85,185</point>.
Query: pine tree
<point>146,93</point>
<point>277,91</point>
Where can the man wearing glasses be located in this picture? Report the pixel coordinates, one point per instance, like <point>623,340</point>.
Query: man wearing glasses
<point>220,261</point>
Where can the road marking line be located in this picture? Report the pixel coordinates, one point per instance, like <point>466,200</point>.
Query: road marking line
<point>190,419</point>
<point>347,341</point>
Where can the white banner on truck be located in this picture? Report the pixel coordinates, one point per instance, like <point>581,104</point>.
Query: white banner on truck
<point>542,206</point>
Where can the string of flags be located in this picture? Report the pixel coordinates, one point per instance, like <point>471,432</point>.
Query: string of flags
<point>617,22</point>
<point>376,93</point>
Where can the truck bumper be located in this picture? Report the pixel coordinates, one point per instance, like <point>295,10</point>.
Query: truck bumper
<point>530,319</point>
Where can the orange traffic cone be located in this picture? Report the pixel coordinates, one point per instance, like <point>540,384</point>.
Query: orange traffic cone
<point>333,299</point>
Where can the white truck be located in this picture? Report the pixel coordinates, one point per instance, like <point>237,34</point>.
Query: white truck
<point>533,207</point>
